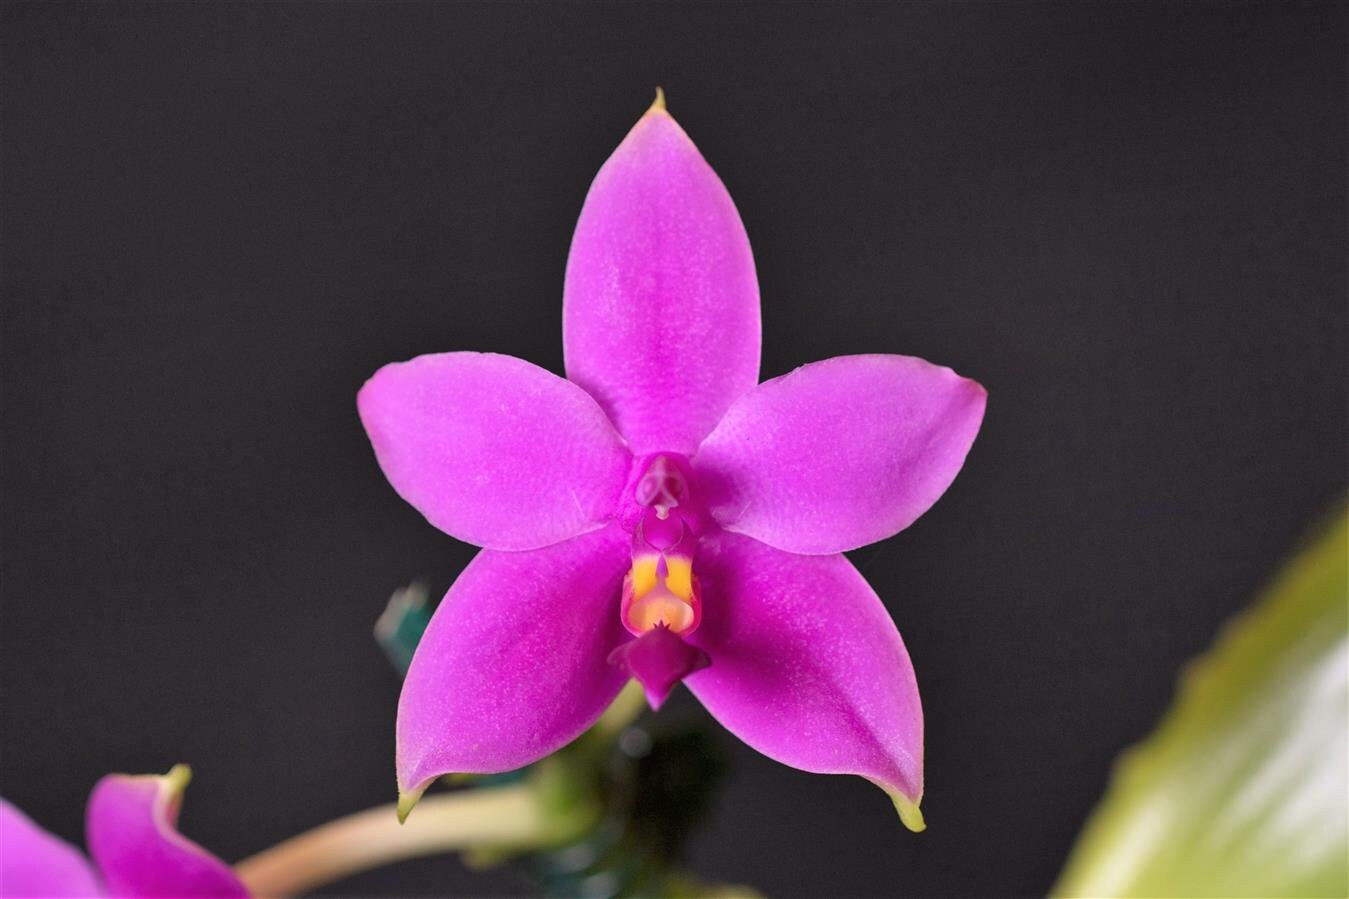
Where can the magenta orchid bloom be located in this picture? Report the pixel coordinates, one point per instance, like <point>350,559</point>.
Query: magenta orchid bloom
<point>131,828</point>
<point>660,515</point>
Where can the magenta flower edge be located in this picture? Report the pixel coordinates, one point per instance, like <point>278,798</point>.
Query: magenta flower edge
<point>134,846</point>
<point>660,516</point>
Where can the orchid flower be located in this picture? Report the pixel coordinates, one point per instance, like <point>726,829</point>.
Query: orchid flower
<point>659,514</point>
<point>136,849</point>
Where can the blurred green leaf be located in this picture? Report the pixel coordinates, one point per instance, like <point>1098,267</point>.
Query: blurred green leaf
<point>1242,790</point>
<point>401,626</point>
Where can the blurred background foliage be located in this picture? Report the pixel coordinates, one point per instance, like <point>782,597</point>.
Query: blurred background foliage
<point>1242,791</point>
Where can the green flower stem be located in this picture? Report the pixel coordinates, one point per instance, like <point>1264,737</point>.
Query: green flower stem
<point>626,708</point>
<point>549,806</point>
<point>510,815</point>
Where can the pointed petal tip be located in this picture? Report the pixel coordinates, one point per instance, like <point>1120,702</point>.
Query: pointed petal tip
<point>407,801</point>
<point>909,812</point>
<point>658,104</point>
<point>177,779</point>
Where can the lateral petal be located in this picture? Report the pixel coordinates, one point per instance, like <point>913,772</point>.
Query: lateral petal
<point>808,668</point>
<point>494,450</point>
<point>513,665</point>
<point>840,453</point>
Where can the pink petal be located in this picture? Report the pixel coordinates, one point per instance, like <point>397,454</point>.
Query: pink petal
<point>839,453</point>
<point>660,318</point>
<point>807,667</point>
<point>513,664</point>
<point>131,828</point>
<point>36,863</point>
<point>493,450</point>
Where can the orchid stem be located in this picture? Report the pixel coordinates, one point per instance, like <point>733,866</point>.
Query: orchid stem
<point>373,838</point>
<point>512,815</point>
<point>626,708</point>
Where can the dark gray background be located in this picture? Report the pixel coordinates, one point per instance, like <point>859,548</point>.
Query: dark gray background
<point>1126,220</point>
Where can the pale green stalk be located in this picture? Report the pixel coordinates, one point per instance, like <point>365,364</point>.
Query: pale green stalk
<point>538,811</point>
<point>374,838</point>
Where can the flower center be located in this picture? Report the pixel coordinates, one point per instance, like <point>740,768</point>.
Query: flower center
<point>661,589</point>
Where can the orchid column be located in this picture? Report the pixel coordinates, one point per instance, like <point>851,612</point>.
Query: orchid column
<point>659,515</point>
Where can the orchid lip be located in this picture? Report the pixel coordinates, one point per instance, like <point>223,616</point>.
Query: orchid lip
<point>659,659</point>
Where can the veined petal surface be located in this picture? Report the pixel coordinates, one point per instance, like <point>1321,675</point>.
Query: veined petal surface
<point>660,317</point>
<point>131,828</point>
<point>840,453</point>
<point>34,862</point>
<point>494,450</point>
<point>807,666</point>
<point>513,664</point>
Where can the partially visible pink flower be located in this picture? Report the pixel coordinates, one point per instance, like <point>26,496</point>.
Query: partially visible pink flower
<point>658,515</point>
<point>136,849</point>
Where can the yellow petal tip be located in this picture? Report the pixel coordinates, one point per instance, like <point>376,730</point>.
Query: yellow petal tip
<point>407,800</point>
<point>658,104</point>
<point>177,779</point>
<point>909,813</point>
